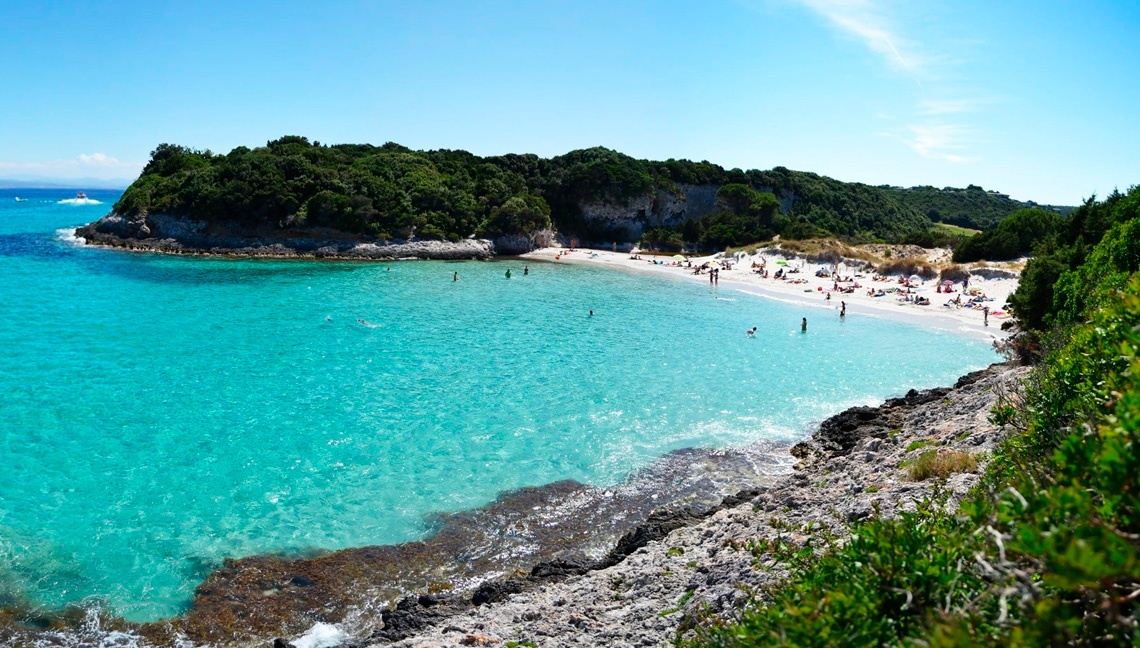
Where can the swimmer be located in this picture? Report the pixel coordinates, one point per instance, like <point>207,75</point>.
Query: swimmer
<point>803,326</point>
<point>752,332</point>
<point>591,313</point>
<point>508,273</point>
<point>456,277</point>
<point>328,318</point>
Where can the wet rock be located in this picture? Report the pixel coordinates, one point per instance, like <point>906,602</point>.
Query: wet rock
<point>495,591</point>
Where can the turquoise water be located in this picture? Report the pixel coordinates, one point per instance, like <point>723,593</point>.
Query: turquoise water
<point>159,414</point>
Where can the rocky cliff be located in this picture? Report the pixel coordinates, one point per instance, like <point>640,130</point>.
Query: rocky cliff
<point>176,235</point>
<point>601,222</point>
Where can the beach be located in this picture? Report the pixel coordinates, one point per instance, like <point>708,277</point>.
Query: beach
<point>812,290</point>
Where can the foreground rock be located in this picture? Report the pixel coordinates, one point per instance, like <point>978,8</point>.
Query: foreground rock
<point>673,568</point>
<point>174,235</point>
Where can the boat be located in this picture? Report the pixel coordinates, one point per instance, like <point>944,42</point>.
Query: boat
<point>81,196</point>
<point>19,199</point>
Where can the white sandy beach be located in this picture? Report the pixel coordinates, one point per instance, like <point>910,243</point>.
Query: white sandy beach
<point>813,291</point>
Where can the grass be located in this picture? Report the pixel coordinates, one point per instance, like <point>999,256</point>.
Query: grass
<point>954,230</point>
<point>941,464</point>
<point>680,604</point>
<point>908,267</point>
<point>873,489</point>
<point>816,248</point>
<point>915,445</point>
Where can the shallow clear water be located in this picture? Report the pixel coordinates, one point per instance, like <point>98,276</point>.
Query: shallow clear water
<point>159,414</point>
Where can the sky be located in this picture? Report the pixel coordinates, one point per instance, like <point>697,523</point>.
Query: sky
<point>1036,99</point>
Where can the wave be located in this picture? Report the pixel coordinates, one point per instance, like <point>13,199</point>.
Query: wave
<point>67,235</point>
<point>80,201</point>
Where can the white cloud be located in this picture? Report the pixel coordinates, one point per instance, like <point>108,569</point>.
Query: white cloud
<point>98,165</point>
<point>935,141</point>
<point>867,22</point>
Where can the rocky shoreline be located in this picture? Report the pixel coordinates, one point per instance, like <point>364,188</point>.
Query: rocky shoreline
<point>180,236</point>
<point>682,565</point>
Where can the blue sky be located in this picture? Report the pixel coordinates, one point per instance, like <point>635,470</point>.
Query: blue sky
<point>1037,99</point>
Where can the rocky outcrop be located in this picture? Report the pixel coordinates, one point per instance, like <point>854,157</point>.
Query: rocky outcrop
<point>174,235</point>
<point>516,244</point>
<point>628,221</point>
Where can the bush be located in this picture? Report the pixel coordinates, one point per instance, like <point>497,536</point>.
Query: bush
<point>908,267</point>
<point>941,464</point>
<point>1016,235</point>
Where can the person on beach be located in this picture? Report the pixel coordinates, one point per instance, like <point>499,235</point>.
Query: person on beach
<point>803,325</point>
<point>456,277</point>
<point>711,275</point>
<point>986,315</point>
<point>752,332</point>
<point>842,309</point>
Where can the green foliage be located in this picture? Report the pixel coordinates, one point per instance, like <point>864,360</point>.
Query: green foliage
<point>1106,269</point>
<point>941,464</point>
<point>1016,235</point>
<point>972,207</point>
<point>518,215</point>
<point>889,584</point>
<point>1043,298</point>
<point>391,191</point>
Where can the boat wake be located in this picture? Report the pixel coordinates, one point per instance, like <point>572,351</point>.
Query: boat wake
<point>80,201</point>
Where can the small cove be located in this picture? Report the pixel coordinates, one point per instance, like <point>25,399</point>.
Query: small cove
<point>163,413</point>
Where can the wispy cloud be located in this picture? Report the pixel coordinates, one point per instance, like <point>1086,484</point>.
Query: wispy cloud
<point>946,142</point>
<point>98,165</point>
<point>866,21</point>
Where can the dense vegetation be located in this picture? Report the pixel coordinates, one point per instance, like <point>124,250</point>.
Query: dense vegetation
<point>391,191</point>
<point>1046,551</point>
<point>1016,235</point>
<point>1054,288</point>
<point>971,207</point>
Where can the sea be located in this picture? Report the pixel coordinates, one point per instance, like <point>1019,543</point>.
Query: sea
<point>159,414</point>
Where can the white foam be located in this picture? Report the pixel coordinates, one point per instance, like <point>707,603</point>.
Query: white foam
<point>81,201</point>
<point>321,635</point>
<point>67,235</point>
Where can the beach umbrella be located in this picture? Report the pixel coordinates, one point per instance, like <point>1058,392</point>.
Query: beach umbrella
<point>781,262</point>
<point>680,257</point>
<point>714,264</point>
<point>915,278</point>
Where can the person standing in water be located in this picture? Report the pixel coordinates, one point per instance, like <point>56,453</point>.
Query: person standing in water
<point>752,332</point>
<point>508,273</point>
<point>803,325</point>
<point>456,277</point>
<point>526,270</point>
<point>591,313</point>
<point>842,309</point>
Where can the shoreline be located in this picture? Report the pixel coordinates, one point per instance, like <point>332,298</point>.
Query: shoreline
<point>964,322</point>
<point>681,567</point>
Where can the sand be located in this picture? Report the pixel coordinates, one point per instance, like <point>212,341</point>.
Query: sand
<point>813,292</point>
